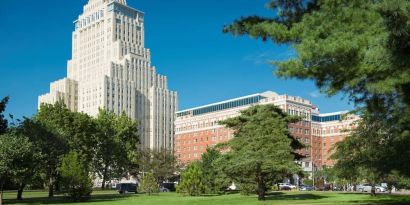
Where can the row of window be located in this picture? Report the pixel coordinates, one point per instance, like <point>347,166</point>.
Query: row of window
<point>222,106</point>
<point>89,19</point>
<point>327,118</point>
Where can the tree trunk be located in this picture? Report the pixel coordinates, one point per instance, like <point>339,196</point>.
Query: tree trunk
<point>1,192</point>
<point>261,187</point>
<point>104,177</point>
<point>20,191</point>
<point>51,188</point>
<point>373,190</point>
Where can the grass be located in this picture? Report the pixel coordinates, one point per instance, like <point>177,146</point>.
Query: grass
<point>301,198</point>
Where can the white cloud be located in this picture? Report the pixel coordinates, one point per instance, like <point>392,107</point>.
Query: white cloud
<point>315,94</point>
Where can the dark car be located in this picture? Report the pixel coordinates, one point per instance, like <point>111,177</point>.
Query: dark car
<point>125,188</point>
<point>167,187</point>
<point>285,188</point>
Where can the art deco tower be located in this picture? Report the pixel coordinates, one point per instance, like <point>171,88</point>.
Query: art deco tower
<point>111,69</point>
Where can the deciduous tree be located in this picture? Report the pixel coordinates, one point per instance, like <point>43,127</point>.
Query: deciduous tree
<point>116,147</point>
<point>3,120</point>
<point>148,184</point>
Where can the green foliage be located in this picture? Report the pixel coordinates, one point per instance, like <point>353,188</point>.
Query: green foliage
<point>262,150</point>
<point>3,121</point>
<point>148,184</point>
<point>247,189</point>
<point>51,145</point>
<point>76,129</point>
<point>118,140</point>
<point>214,179</point>
<point>162,163</point>
<point>359,48</point>
<point>76,178</point>
<point>394,179</point>
<point>191,181</point>
<point>14,149</point>
<point>308,182</point>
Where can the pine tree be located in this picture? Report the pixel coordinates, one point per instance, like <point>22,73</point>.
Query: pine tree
<point>75,175</point>
<point>262,150</point>
<point>191,181</point>
<point>358,48</point>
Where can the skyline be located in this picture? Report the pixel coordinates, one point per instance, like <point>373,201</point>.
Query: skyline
<point>238,64</point>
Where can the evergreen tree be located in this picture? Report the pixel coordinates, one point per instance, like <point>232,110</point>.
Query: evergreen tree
<point>214,179</point>
<point>75,176</point>
<point>359,48</point>
<point>262,150</point>
<point>192,181</point>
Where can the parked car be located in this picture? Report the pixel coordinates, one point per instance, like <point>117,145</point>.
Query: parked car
<point>285,188</point>
<point>368,188</point>
<point>325,187</point>
<point>167,187</point>
<point>282,185</point>
<point>306,188</point>
<point>125,188</point>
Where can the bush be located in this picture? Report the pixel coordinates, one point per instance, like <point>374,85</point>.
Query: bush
<point>191,181</point>
<point>148,184</point>
<point>308,182</point>
<point>247,189</point>
<point>76,180</point>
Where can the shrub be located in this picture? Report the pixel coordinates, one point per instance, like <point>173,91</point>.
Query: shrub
<point>247,189</point>
<point>148,184</point>
<point>191,181</point>
<point>308,182</point>
<point>76,180</point>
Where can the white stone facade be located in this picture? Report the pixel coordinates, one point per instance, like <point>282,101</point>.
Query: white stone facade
<point>112,70</point>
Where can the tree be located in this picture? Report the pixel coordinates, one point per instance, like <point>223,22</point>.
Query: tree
<point>371,149</point>
<point>358,48</point>
<point>262,150</point>
<point>77,129</point>
<point>28,163</point>
<point>3,129</point>
<point>116,145</point>
<point>75,175</point>
<point>15,150</point>
<point>191,181</point>
<point>148,184</point>
<point>214,179</point>
<point>3,121</point>
<point>162,163</point>
<point>51,144</point>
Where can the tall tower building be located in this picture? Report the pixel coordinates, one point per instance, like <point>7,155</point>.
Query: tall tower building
<point>111,69</point>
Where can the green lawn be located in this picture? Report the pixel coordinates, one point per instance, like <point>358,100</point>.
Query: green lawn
<point>303,198</point>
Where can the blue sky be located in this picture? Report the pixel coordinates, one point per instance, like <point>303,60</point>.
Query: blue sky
<point>202,64</point>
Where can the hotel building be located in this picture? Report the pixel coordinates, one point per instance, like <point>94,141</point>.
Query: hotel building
<point>198,128</point>
<point>111,69</point>
<point>327,130</point>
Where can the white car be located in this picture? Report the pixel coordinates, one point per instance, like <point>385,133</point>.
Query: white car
<point>281,185</point>
<point>368,188</point>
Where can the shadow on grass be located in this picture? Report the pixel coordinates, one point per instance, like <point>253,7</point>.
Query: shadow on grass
<point>66,200</point>
<point>301,196</point>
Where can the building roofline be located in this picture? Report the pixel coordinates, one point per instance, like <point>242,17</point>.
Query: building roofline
<point>221,102</point>
<point>333,113</point>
